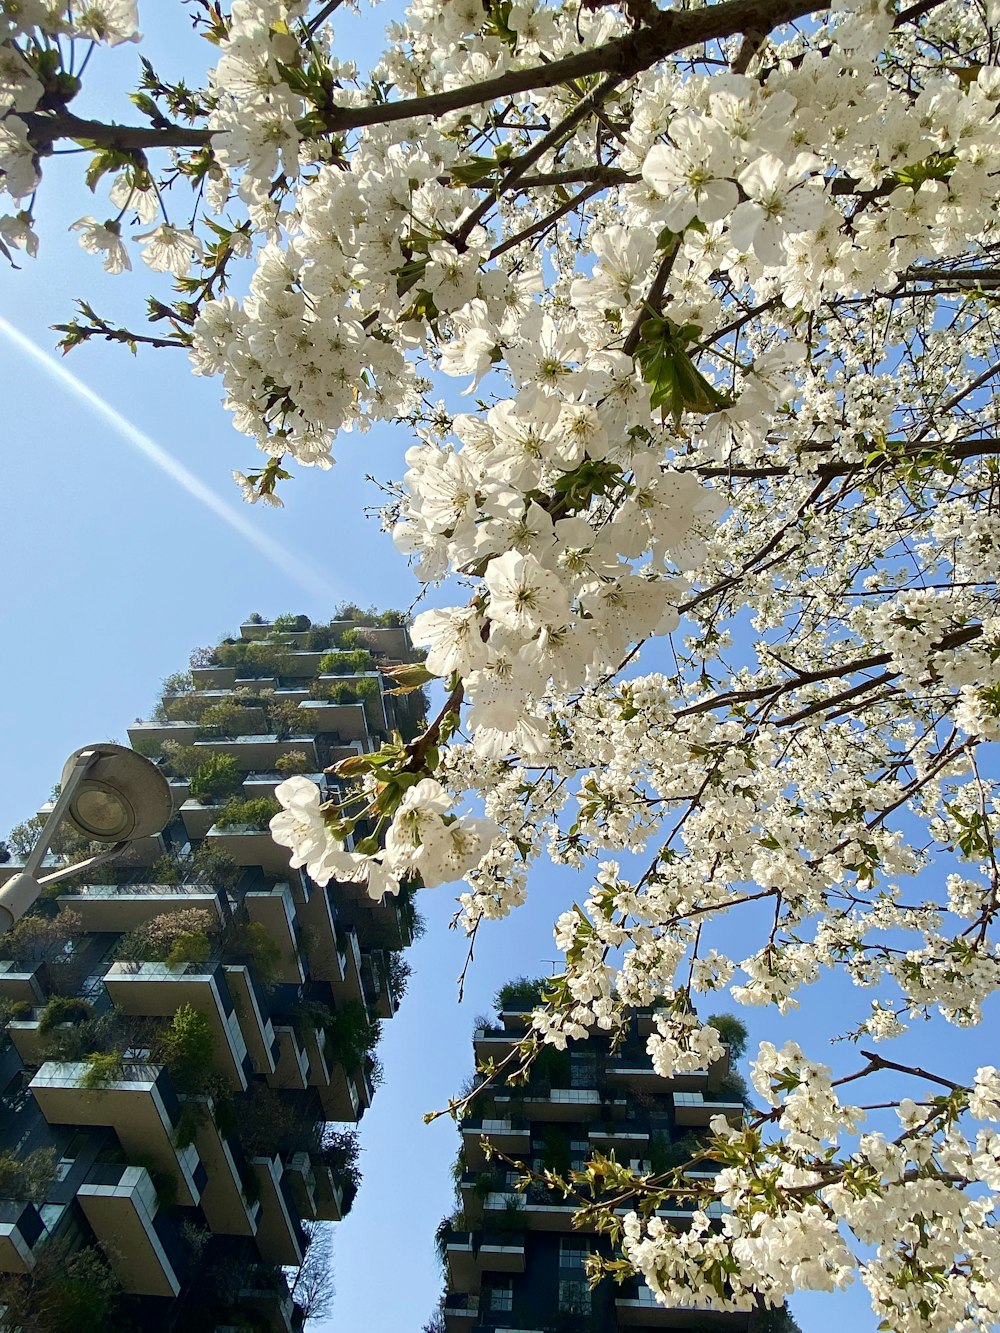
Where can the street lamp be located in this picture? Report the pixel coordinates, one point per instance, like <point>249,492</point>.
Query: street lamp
<point>109,794</point>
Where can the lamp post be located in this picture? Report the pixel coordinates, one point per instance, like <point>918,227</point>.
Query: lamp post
<point>109,794</point>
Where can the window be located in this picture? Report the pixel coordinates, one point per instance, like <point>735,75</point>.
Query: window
<point>582,1071</point>
<point>574,1296</point>
<point>501,1296</point>
<point>573,1253</point>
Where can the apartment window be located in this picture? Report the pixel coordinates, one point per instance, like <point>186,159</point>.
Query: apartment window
<point>573,1253</point>
<point>582,1071</point>
<point>501,1296</point>
<point>574,1296</point>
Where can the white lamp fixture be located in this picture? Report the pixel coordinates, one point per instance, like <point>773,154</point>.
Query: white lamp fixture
<point>109,794</point>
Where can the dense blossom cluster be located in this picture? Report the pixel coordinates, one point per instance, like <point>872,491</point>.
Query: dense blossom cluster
<point>720,291</point>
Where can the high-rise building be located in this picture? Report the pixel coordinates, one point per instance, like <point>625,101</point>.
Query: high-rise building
<point>189,1031</point>
<point>513,1259</point>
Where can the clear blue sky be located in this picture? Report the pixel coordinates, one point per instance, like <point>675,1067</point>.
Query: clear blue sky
<point>112,572</point>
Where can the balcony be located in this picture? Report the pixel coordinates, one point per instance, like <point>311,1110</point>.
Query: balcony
<point>501,1254</point>
<point>21,1228</point>
<point>142,735</point>
<point>319,933</point>
<point>225,1202</point>
<point>19,984</point>
<point>460,1312</point>
<point>637,1307</point>
<point>265,1292</point>
<point>107,908</point>
<point>278,1231</point>
<point>258,753</point>
<point>198,818</point>
<point>329,1194</point>
<point>157,990</point>
<point>139,1105</point>
<point>348,722</point>
<point>27,1040</point>
<point>625,1142</point>
<point>391,641</point>
<point>341,1098</point>
<point>302,1179</point>
<point>274,909</point>
<point>265,784</point>
<point>509,1136</point>
<point>213,677</point>
<point>493,1043</point>
<point>250,847</point>
<point>692,1108</point>
<point>379,995</point>
<point>460,1259</point>
<point>350,986</point>
<point>563,1104</point>
<point>292,1065</point>
<point>140,1242</point>
<point>258,1033</point>
<point>314,1040</point>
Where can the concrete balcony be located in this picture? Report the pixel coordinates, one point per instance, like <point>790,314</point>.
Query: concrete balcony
<point>292,1065</point>
<point>637,1307</point>
<point>692,1108</point>
<point>320,1067</point>
<point>140,1242</point>
<point>198,818</point>
<point>258,753</point>
<point>250,847</point>
<point>493,1044</point>
<point>279,1236</point>
<point>460,1261</point>
<point>213,677</point>
<point>390,641</point>
<point>341,1099</point>
<point>274,909</point>
<point>265,1293</point>
<point>302,1179</point>
<point>107,908</point>
<point>350,985</point>
<point>508,1136</point>
<point>563,1104</point>
<point>139,1105</point>
<point>379,995</point>
<point>329,1194</point>
<point>258,1032</point>
<point>156,990</point>
<point>461,1310</point>
<point>501,1254</point>
<point>317,920</point>
<point>265,784</point>
<point>225,1203</point>
<point>629,1072</point>
<point>348,722</point>
<point>141,734</point>
<point>21,1228</point>
<point>18,984</point>
<point>27,1040</point>
<point>378,921</point>
<point>625,1143</point>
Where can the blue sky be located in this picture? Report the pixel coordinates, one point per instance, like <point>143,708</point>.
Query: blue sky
<point>116,566</point>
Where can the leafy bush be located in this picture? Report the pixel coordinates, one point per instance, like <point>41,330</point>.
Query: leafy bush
<point>256,812</point>
<point>28,1178</point>
<point>182,760</point>
<point>165,870</point>
<point>62,1009</point>
<point>192,946</point>
<point>520,993</point>
<point>226,719</point>
<point>155,940</point>
<point>251,945</point>
<point>340,1151</point>
<point>289,624</point>
<point>37,939</point>
<point>216,867</point>
<point>350,663</point>
<point>68,1291</point>
<point>255,618</point>
<point>732,1031</point>
<point>732,1087</point>
<point>351,1034</point>
<point>295,761</point>
<point>181,682</point>
<point>216,778</point>
<point>102,1069</point>
<point>189,1049</point>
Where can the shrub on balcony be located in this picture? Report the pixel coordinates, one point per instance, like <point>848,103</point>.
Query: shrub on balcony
<point>180,682</point>
<point>351,1034</point>
<point>27,1178</point>
<point>157,939</point>
<point>62,1009</point>
<point>216,778</point>
<point>251,945</point>
<point>188,1047</point>
<point>181,760</point>
<point>226,719</point>
<point>291,624</point>
<point>256,813</point>
<point>68,1291</point>
<point>166,869</point>
<point>102,1068</point>
<point>216,868</point>
<point>284,717</point>
<point>519,994</point>
<point>295,761</point>
<point>350,663</point>
<point>255,618</point>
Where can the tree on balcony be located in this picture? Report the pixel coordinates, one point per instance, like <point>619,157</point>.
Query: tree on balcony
<point>217,777</point>
<point>68,1291</point>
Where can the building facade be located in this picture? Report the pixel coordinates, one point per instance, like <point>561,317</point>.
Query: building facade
<point>189,1033</point>
<point>512,1257</point>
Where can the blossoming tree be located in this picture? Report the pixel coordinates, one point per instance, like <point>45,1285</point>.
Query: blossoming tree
<point>725,276</point>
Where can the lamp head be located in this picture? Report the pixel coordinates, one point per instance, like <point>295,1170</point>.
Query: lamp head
<point>122,795</point>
